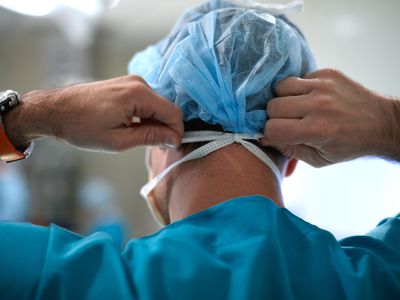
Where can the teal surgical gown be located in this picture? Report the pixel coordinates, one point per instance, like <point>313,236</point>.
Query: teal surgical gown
<point>245,248</point>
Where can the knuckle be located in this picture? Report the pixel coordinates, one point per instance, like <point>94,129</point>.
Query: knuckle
<point>331,73</point>
<point>325,84</point>
<point>136,88</point>
<point>136,78</point>
<point>139,86</point>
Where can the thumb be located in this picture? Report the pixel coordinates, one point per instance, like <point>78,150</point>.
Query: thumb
<point>150,135</point>
<point>157,135</point>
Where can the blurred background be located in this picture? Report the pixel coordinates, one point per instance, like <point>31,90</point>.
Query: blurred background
<point>52,43</point>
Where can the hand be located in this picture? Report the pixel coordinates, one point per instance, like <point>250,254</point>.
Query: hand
<point>327,118</point>
<point>98,116</point>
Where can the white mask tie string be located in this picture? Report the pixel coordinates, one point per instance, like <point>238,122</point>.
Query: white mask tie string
<point>217,140</point>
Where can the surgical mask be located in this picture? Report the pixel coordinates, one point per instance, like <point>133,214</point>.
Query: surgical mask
<point>217,140</point>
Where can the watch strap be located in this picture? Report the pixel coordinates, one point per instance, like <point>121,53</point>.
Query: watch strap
<point>8,152</point>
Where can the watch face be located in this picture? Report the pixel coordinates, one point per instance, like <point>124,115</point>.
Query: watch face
<point>8,100</point>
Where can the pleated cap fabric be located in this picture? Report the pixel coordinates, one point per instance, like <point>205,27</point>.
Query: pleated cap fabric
<point>222,61</point>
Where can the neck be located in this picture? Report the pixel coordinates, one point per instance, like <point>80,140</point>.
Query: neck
<point>228,173</point>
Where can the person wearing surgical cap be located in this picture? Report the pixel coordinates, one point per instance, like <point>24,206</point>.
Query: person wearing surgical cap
<point>227,234</point>
<point>219,194</point>
<point>220,65</point>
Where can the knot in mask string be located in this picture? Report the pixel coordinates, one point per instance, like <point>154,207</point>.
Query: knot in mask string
<point>217,141</point>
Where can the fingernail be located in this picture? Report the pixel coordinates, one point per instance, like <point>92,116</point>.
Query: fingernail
<point>170,143</point>
<point>171,146</point>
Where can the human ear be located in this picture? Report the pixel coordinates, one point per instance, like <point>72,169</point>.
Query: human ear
<point>290,167</point>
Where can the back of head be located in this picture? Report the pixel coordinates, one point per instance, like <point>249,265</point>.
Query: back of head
<point>220,65</point>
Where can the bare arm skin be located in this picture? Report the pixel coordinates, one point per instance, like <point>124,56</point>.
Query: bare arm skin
<point>327,118</point>
<point>97,116</point>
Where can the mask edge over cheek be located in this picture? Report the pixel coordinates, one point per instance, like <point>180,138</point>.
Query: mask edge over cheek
<point>155,210</point>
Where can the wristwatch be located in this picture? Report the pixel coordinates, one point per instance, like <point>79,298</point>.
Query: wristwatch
<point>8,152</point>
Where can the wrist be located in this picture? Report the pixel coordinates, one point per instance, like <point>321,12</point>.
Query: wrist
<point>29,120</point>
<point>388,141</point>
<point>13,126</point>
<point>393,151</point>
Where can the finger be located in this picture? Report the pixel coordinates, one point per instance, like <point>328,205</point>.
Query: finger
<point>288,107</point>
<point>325,73</point>
<point>157,135</point>
<point>293,86</point>
<point>304,153</point>
<point>287,132</point>
<point>150,105</point>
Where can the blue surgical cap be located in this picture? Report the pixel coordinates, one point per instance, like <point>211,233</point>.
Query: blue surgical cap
<point>222,62</point>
